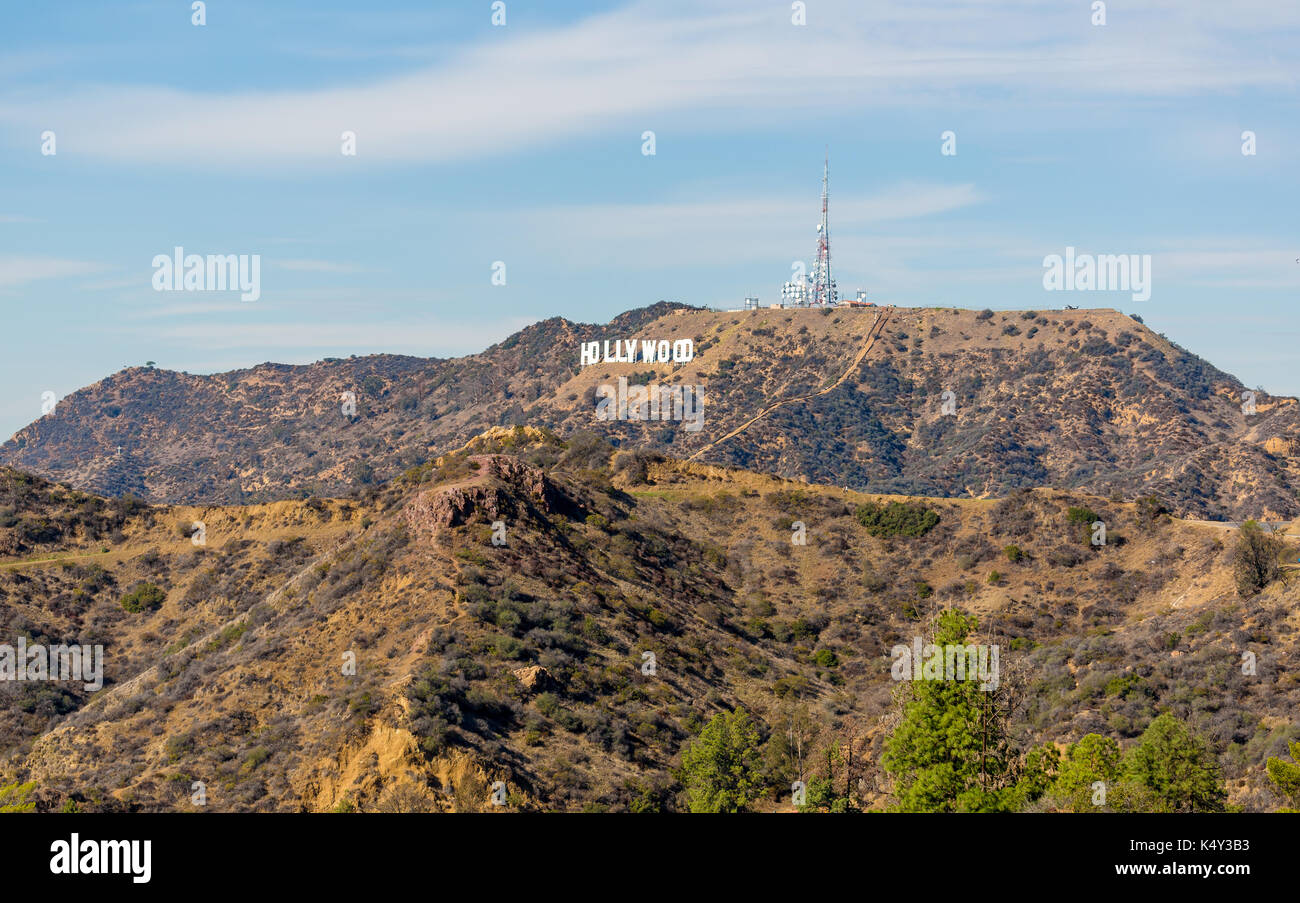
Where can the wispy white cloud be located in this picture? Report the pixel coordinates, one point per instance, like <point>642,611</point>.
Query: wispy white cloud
<point>1231,263</point>
<point>108,285</point>
<point>1221,257</point>
<point>21,270</point>
<point>399,336</point>
<point>192,306</point>
<point>616,69</point>
<point>730,229</point>
<point>346,304</point>
<point>315,266</point>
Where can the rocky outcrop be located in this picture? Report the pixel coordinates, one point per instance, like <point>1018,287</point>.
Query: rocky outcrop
<point>503,489</point>
<point>534,678</point>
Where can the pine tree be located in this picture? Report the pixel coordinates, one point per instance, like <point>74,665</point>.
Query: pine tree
<point>1094,759</point>
<point>1286,775</point>
<point>721,767</point>
<point>950,752</point>
<point>1177,767</point>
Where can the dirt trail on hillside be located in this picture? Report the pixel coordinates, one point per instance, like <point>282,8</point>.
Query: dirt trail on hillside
<point>23,562</point>
<point>1281,527</point>
<point>872,335</point>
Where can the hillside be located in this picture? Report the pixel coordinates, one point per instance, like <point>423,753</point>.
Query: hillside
<point>525,662</point>
<point>1089,400</point>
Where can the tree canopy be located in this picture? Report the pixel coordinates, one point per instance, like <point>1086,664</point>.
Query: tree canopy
<point>720,768</point>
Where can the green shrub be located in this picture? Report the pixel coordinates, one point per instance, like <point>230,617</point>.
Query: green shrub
<point>178,746</point>
<point>826,658</point>
<point>255,758</point>
<point>1286,776</point>
<point>13,797</point>
<point>547,703</point>
<point>145,597</point>
<point>227,636</point>
<point>1151,508</point>
<point>1082,520</point>
<point>897,519</point>
<point>1077,515</point>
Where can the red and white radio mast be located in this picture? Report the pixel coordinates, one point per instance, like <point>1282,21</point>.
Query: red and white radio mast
<point>823,285</point>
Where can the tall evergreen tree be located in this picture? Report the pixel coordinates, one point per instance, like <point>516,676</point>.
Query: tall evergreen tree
<point>950,752</point>
<point>1093,760</point>
<point>720,768</point>
<point>1178,767</point>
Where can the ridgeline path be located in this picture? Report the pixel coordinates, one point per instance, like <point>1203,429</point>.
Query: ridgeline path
<point>872,335</point>
<point>22,562</point>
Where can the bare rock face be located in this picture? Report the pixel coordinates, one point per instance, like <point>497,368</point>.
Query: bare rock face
<point>437,509</point>
<point>524,477</point>
<point>534,678</point>
<point>502,490</point>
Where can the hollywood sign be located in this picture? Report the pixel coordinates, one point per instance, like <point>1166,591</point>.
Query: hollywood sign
<point>625,351</point>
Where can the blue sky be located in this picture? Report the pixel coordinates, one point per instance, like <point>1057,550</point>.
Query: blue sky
<point>523,144</point>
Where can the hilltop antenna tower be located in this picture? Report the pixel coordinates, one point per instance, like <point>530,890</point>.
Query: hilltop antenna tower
<point>823,285</point>
<point>816,289</point>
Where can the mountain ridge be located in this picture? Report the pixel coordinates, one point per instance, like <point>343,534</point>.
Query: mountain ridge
<point>386,653</point>
<point>1087,399</point>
